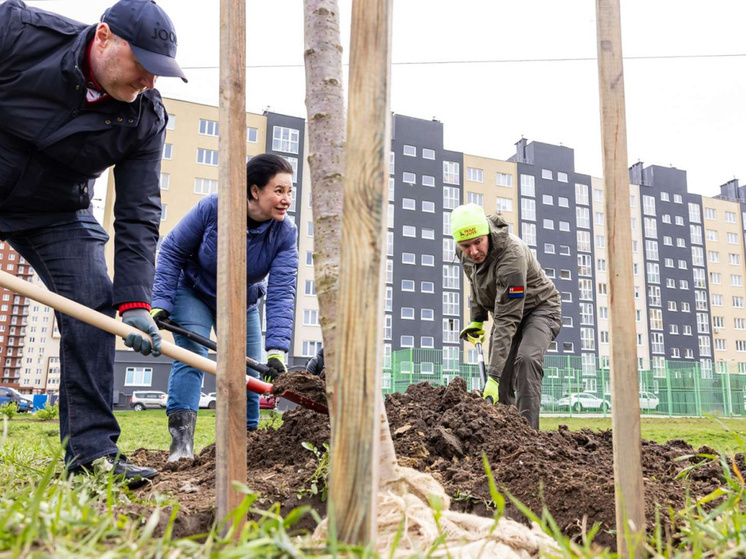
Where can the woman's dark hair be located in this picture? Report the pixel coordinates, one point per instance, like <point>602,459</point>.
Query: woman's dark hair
<point>261,168</point>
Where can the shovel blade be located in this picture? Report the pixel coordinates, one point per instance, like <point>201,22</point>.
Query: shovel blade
<point>304,402</point>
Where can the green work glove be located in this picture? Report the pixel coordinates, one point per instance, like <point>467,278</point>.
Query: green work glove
<point>141,319</point>
<point>276,364</point>
<point>490,390</point>
<point>473,333</point>
<point>158,314</point>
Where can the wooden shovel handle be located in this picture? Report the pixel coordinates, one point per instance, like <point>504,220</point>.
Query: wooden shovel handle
<point>116,327</point>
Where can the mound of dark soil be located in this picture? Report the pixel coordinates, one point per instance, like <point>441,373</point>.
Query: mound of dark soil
<point>445,431</point>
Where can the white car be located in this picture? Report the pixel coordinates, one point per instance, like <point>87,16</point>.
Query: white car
<point>207,400</point>
<point>648,401</point>
<point>584,401</point>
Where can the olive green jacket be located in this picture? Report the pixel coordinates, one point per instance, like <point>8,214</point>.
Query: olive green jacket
<point>510,284</point>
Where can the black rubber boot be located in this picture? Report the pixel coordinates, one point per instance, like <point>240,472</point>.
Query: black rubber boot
<point>181,426</point>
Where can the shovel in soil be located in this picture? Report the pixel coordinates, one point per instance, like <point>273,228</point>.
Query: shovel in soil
<point>253,385</point>
<point>122,330</point>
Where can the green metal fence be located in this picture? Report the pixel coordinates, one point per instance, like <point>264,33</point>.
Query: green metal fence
<point>581,385</point>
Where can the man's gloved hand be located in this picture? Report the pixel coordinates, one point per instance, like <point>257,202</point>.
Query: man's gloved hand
<point>141,319</point>
<point>490,390</point>
<point>276,364</point>
<point>158,314</point>
<point>474,333</point>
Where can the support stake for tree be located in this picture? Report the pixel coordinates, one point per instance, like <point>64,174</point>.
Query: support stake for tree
<point>230,440</point>
<point>625,412</point>
<point>355,419</point>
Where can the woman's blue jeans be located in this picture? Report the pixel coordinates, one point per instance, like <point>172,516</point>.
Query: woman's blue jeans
<point>185,382</point>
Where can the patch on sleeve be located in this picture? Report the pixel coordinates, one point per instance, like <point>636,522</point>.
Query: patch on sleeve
<point>515,292</point>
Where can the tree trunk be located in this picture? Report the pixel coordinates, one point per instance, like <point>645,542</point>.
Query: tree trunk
<point>325,106</point>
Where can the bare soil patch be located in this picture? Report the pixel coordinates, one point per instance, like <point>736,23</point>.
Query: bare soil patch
<point>444,431</point>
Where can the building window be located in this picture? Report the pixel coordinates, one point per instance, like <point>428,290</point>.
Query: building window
<point>311,348</point>
<point>528,186</point>
<point>285,139</point>
<point>427,314</point>
<point>205,186</point>
<point>409,231</point>
<point>583,217</point>
<point>310,288</point>
<point>450,198</point>
<point>138,376</point>
<point>311,316</point>
<point>428,180</point>
<point>504,179</point>
<point>428,233</point>
<point>309,229</point>
<point>528,209</point>
<point>449,247</point>
<point>451,172</point>
<point>451,303</point>
<point>408,258</point>
<point>427,287</point>
<point>428,153</point>
<point>504,205</point>
<point>548,224</point>
<point>168,150</point>
<point>428,207</point>
<point>207,157</point>
<point>407,285</point>
<point>561,177</point>
<point>407,313</point>
<point>409,178</point>
<point>581,194</point>
<point>474,174</point>
<point>451,327</point>
<point>409,151</point>
<point>209,128</point>
<point>475,198</point>
<point>528,233</point>
<point>451,277</point>
<point>548,248</point>
<point>164,181</point>
<point>252,135</point>
<point>164,209</point>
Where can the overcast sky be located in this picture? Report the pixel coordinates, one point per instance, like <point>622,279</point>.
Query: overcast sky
<point>685,73</point>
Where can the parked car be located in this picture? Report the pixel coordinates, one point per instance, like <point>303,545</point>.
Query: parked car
<point>583,401</point>
<point>267,402</point>
<point>548,402</point>
<point>8,394</point>
<point>648,401</point>
<point>207,400</point>
<point>144,399</point>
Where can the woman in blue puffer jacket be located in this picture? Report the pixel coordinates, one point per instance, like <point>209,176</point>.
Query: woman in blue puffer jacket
<point>186,284</point>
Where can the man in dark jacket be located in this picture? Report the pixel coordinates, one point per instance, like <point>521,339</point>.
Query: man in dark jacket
<point>507,281</point>
<point>75,100</point>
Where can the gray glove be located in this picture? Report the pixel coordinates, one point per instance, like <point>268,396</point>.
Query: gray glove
<point>141,319</point>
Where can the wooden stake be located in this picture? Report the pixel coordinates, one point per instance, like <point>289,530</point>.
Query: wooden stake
<point>625,411</point>
<point>355,420</point>
<point>230,443</point>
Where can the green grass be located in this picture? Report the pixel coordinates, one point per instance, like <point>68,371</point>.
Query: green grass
<point>696,431</point>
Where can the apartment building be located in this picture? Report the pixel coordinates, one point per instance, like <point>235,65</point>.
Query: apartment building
<point>557,213</point>
<point>13,318</point>
<point>40,372</point>
<point>675,270</point>
<point>687,250</point>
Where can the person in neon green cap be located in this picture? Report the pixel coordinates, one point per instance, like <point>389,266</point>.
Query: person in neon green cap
<point>507,281</point>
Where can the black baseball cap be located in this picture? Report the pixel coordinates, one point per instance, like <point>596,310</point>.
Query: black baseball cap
<point>150,33</point>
